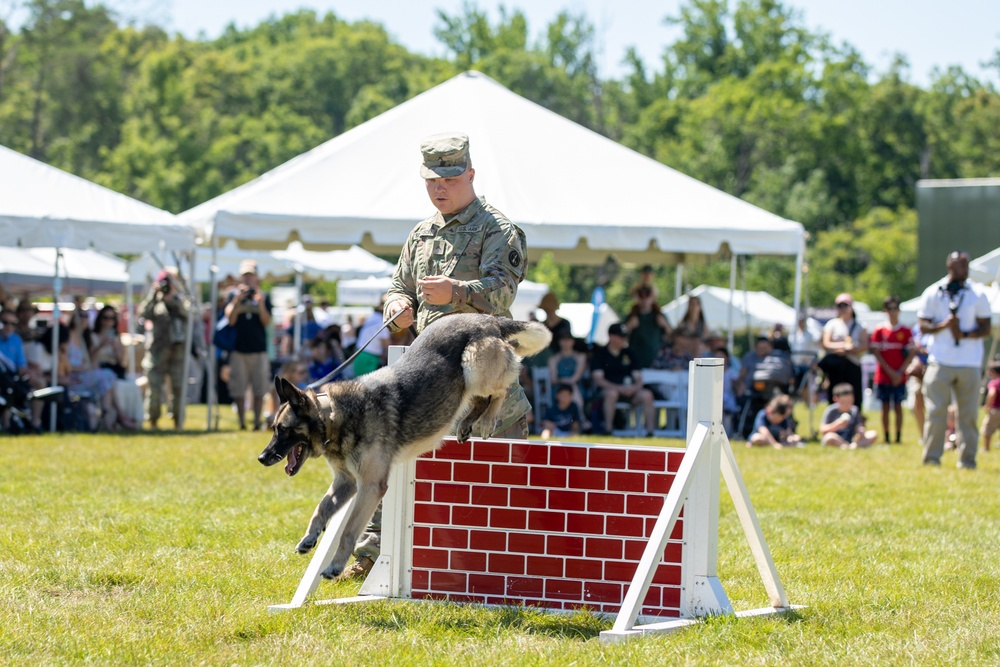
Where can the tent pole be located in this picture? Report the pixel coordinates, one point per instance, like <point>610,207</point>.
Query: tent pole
<point>732,295</point>
<point>56,288</point>
<point>799,260</point>
<point>130,323</point>
<point>188,337</point>
<point>297,337</point>
<point>213,270</point>
<point>679,281</point>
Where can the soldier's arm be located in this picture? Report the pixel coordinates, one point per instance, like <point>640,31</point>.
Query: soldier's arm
<point>502,268</point>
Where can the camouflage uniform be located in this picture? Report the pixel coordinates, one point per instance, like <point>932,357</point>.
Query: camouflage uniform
<point>480,247</point>
<point>165,354</point>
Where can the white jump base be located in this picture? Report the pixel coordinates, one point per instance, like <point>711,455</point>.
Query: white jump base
<point>566,526</point>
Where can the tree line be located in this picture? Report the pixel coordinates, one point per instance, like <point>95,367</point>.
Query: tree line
<point>746,99</point>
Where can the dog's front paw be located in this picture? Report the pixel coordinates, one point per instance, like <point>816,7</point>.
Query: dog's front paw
<point>464,433</point>
<point>307,544</point>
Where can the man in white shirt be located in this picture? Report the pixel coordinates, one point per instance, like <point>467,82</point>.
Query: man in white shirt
<point>957,316</point>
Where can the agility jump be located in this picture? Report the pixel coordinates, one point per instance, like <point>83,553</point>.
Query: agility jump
<point>566,526</point>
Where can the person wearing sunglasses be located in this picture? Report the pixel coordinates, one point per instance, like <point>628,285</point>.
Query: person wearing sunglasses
<point>845,342</point>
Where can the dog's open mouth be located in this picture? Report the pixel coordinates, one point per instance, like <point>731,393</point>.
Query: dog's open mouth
<point>296,457</point>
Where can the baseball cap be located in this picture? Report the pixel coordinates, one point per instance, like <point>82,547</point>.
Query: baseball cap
<point>248,266</point>
<point>445,155</point>
<point>617,329</point>
<point>844,297</point>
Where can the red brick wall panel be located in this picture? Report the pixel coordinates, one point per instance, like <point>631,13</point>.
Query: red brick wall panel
<point>526,543</point>
<point>472,472</point>
<point>528,497</point>
<point>551,525</point>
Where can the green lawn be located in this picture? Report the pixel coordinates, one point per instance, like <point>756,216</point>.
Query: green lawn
<point>166,549</point>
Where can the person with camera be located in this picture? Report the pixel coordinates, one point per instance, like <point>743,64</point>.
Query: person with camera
<point>167,310</point>
<point>957,317</point>
<point>249,312</point>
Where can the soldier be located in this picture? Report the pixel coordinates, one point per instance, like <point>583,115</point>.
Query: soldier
<point>466,258</point>
<point>168,311</point>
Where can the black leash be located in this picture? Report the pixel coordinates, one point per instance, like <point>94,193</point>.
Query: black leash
<point>358,351</point>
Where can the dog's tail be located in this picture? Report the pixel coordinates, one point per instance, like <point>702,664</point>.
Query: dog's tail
<point>527,338</point>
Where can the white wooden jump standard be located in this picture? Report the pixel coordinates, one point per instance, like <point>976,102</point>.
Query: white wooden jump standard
<point>695,487</point>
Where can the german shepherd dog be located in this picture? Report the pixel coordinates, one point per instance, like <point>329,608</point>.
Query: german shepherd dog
<point>453,379</point>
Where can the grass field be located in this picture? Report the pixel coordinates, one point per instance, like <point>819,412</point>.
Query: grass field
<point>165,549</point>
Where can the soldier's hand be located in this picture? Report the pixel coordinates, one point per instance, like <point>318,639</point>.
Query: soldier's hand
<point>437,290</point>
<point>404,320</point>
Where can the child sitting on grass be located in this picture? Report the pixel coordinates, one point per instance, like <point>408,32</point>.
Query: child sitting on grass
<point>773,425</point>
<point>991,422</point>
<point>842,425</point>
<point>563,418</point>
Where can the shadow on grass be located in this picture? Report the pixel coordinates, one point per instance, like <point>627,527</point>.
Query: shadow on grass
<point>434,618</point>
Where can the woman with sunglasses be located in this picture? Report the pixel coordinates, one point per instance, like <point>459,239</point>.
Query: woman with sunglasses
<point>845,341</point>
<point>106,349</point>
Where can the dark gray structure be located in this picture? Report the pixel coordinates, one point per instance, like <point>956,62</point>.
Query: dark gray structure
<point>955,214</point>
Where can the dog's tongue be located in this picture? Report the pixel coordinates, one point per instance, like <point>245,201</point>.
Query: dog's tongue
<point>292,460</point>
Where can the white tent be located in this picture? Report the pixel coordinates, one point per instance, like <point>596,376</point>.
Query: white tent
<point>367,292</point>
<point>30,271</point>
<point>274,265</point>
<point>581,320</point>
<point>41,206</point>
<point>572,191</point>
<point>753,310</point>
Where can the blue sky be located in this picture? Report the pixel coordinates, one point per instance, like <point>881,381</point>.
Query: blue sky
<point>929,32</point>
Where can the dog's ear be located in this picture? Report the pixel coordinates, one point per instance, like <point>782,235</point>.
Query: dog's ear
<point>288,392</point>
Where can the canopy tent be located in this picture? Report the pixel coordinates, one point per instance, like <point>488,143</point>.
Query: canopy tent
<point>41,206</point>
<point>750,310</point>
<point>986,269</point>
<point>44,207</point>
<point>368,292</point>
<point>30,271</point>
<point>573,192</point>
<point>275,265</point>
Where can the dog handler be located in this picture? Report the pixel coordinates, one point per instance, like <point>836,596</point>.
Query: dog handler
<point>466,258</point>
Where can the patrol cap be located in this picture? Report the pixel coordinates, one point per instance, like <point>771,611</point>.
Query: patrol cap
<point>617,329</point>
<point>445,155</point>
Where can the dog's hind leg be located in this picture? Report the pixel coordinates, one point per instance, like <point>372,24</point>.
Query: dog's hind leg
<point>370,494</point>
<point>342,488</point>
<point>464,429</point>
<point>487,421</point>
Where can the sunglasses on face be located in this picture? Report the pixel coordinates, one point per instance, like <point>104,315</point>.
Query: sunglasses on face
<point>9,323</point>
<point>109,317</point>
<point>843,393</point>
<point>843,305</point>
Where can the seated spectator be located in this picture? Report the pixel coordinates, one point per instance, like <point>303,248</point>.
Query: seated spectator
<point>323,360</point>
<point>13,365</point>
<point>842,425</point>
<point>774,371</point>
<point>104,343</point>
<point>691,329</point>
<point>773,425</point>
<point>295,372</point>
<point>748,364</point>
<point>648,328</point>
<point>567,366</point>
<point>79,375</point>
<point>616,377</point>
<point>564,417</point>
<point>310,329</point>
<point>667,359</point>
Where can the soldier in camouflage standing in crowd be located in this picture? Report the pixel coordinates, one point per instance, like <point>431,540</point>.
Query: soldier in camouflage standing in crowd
<point>466,258</point>
<point>167,310</point>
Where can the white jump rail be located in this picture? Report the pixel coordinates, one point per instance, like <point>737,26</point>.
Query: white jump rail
<point>674,582</point>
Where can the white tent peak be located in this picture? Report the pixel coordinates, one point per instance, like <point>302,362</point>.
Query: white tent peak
<point>572,190</point>
<point>43,206</point>
<point>753,310</point>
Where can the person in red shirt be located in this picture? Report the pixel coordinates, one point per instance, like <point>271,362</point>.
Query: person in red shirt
<point>892,345</point>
